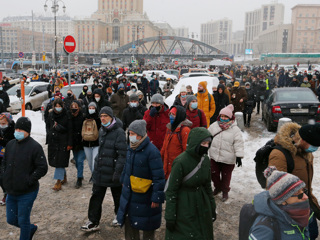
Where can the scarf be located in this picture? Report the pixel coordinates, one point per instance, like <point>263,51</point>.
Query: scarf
<point>112,123</point>
<point>134,146</point>
<point>299,212</point>
<point>225,125</point>
<point>183,101</point>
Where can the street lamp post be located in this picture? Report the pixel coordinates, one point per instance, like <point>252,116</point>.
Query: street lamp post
<point>55,9</point>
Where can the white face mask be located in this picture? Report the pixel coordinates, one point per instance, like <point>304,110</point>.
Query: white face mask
<point>133,139</point>
<point>97,99</point>
<point>92,111</point>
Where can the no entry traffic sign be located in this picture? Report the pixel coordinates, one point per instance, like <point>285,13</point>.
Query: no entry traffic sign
<point>21,54</point>
<point>69,44</point>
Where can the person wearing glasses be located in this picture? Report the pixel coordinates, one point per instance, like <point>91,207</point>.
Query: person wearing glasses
<point>283,210</point>
<point>301,142</point>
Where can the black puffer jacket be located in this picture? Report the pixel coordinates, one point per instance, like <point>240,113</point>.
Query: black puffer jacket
<point>58,138</point>
<point>130,114</point>
<point>77,122</point>
<point>24,163</point>
<point>5,98</point>
<point>221,100</point>
<point>102,102</point>
<point>250,103</point>
<point>111,157</point>
<point>7,134</point>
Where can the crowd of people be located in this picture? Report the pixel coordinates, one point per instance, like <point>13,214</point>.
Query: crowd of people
<point>153,154</point>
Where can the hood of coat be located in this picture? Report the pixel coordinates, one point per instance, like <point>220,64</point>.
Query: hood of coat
<point>196,136</point>
<point>185,122</point>
<point>181,115</point>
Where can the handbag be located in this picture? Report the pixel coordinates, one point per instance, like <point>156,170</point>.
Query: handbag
<point>140,185</point>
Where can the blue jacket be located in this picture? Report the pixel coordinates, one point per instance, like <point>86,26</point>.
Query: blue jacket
<point>144,162</point>
<point>287,226</point>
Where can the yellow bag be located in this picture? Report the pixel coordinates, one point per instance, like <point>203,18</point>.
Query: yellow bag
<point>140,185</point>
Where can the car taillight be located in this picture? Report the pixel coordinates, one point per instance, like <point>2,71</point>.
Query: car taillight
<point>276,109</point>
<point>318,109</point>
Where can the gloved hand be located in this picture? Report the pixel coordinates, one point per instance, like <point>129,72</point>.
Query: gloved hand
<point>238,162</point>
<point>170,226</point>
<point>214,216</point>
<point>153,112</point>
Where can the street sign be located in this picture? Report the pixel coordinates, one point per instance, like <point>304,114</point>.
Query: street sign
<point>76,62</point>
<point>76,58</point>
<point>133,46</point>
<point>21,54</point>
<point>69,44</point>
<point>176,62</point>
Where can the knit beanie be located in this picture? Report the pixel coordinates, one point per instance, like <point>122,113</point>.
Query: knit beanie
<point>311,134</point>
<point>190,98</point>
<point>120,86</point>
<point>133,97</point>
<point>139,127</point>
<point>23,123</point>
<point>92,104</point>
<point>203,84</point>
<point>106,110</point>
<point>7,115</point>
<point>228,111</point>
<point>281,185</point>
<point>183,89</point>
<point>157,98</point>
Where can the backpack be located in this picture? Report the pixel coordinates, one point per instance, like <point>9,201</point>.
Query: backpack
<point>248,216</point>
<point>262,160</point>
<point>90,130</point>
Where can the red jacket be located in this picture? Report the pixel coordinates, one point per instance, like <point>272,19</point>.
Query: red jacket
<point>157,125</point>
<point>193,116</point>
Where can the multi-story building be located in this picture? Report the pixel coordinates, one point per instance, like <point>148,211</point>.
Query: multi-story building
<point>236,44</point>
<point>305,21</point>
<point>182,32</point>
<point>261,19</point>
<point>217,33</point>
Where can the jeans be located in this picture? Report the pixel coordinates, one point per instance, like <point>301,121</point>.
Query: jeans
<point>221,175</point>
<point>18,212</point>
<point>59,173</point>
<point>91,153</point>
<point>131,233</point>
<point>95,205</point>
<point>79,156</point>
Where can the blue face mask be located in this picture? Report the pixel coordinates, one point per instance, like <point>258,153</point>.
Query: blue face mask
<point>172,118</point>
<point>194,105</point>
<point>224,120</point>
<point>106,125</point>
<point>58,109</point>
<point>184,96</point>
<point>19,135</point>
<point>1,88</point>
<point>311,149</point>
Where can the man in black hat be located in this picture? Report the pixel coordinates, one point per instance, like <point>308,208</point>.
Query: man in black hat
<point>24,163</point>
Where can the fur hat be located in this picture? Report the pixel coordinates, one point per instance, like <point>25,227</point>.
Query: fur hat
<point>228,111</point>
<point>311,134</point>
<point>281,185</point>
<point>139,127</point>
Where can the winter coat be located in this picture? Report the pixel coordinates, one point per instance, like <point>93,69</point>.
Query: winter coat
<point>177,101</point>
<point>24,163</point>
<point>119,103</point>
<point>197,117</point>
<point>59,137</point>
<point>227,145</point>
<point>190,205</point>
<point>154,85</point>
<point>174,144</point>
<point>145,85</point>
<point>294,84</point>
<point>109,162</point>
<point>130,114</point>
<point>143,162</point>
<point>67,102</point>
<point>168,87</point>
<point>250,103</point>
<point>157,125</point>
<point>96,118</point>
<point>266,208</point>
<point>77,122</point>
<point>5,98</point>
<point>259,89</point>
<point>102,102</point>
<point>206,105</point>
<point>282,80</point>
<point>7,134</point>
<point>303,162</point>
<point>238,93</point>
<point>221,101</point>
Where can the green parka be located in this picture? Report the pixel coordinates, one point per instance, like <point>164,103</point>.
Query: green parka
<point>190,205</point>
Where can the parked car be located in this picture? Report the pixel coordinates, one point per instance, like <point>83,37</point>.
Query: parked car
<point>194,74</point>
<point>76,89</point>
<point>35,94</point>
<point>172,72</point>
<point>162,74</point>
<point>299,104</point>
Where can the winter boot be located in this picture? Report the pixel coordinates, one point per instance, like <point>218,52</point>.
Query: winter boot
<point>225,196</point>
<point>57,186</point>
<point>79,183</point>
<point>64,181</point>
<point>216,192</point>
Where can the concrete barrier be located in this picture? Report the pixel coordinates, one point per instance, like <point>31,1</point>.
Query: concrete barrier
<point>239,118</point>
<point>283,121</point>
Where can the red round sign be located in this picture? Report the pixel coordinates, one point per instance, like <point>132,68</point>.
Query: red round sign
<point>176,63</point>
<point>69,44</point>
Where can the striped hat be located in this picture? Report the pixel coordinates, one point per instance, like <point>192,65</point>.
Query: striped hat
<point>281,185</point>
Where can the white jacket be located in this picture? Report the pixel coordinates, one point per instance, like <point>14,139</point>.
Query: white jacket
<point>227,145</point>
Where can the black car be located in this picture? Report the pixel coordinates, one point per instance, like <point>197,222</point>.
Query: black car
<point>298,104</point>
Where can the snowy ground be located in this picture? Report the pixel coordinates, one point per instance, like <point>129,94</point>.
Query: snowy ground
<point>59,215</point>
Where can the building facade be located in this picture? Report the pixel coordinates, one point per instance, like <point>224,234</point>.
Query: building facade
<point>305,21</point>
<point>181,32</point>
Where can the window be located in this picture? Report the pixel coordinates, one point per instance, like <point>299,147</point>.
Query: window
<point>299,21</point>
<point>306,21</point>
<point>299,33</point>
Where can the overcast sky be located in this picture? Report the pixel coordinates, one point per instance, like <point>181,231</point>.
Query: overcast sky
<point>188,13</point>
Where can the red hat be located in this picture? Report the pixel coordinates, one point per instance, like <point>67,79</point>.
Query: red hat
<point>58,94</point>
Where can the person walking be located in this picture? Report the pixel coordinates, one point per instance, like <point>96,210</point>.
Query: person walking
<point>6,134</point>
<point>157,118</point>
<point>154,85</point>
<point>221,100</point>
<point>108,167</point>
<point>99,100</point>
<point>175,140</point>
<point>283,206</point>
<point>119,102</point>
<point>181,98</point>
<point>248,105</point>
<point>226,150</point>
<point>59,140</point>
<point>168,88</point>
<point>195,115</point>
<point>205,101</point>
<point>140,208</point>
<point>24,163</point>
<point>190,206</point>
<point>238,97</point>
